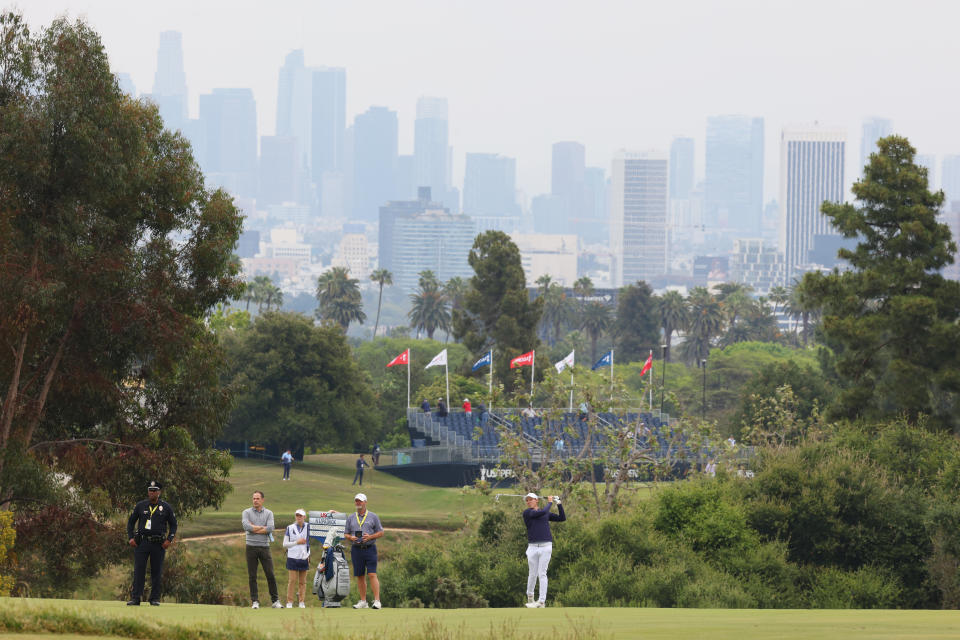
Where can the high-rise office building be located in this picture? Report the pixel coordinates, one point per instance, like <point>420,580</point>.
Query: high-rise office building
<point>489,185</point>
<point>733,195</point>
<point>170,81</point>
<point>228,118</point>
<point>295,104</point>
<point>328,121</point>
<point>639,191</point>
<point>811,173</point>
<point>596,229</point>
<point>431,148</point>
<point>872,130</point>
<point>279,170</point>
<point>567,183</point>
<point>950,180</point>
<point>125,82</point>
<point>681,168</point>
<point>374,161</point>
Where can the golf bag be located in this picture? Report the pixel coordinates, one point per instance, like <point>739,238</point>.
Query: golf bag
<point>332,584</point>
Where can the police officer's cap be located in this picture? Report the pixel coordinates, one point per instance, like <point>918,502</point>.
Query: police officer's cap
<point>154,486</point>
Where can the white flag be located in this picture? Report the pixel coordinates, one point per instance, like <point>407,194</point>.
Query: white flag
<point>439,359</point>
<point>566,362</point>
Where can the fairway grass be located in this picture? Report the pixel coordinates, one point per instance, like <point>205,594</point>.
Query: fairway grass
<point>500,624</point>
<point>323,482</point>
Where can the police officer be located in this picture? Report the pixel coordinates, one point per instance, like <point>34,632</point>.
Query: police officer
<point>151,529</point>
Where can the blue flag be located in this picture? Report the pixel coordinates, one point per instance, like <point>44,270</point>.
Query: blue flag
<point>604,361</point>
<point>484,361</point>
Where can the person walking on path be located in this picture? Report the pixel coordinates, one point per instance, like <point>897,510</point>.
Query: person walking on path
<point>150,530</point>
<point>258,523</point>
<point>362,529</point>
<point>287,460</point>
<point>297,543</point>
<point>539,544</point>
<point>361,463</point>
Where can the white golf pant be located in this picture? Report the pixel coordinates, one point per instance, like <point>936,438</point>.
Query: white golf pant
<point>538,557</point>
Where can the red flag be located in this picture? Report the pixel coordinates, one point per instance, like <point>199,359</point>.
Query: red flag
<point>403,358</point>
<point>522,361</point>
<point>647,365</point>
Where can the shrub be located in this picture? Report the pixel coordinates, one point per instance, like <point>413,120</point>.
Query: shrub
<point>865,588</point>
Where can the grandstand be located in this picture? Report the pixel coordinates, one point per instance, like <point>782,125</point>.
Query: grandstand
<point>457,449</point>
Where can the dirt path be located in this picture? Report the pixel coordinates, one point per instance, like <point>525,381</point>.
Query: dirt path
<point>239,536</point>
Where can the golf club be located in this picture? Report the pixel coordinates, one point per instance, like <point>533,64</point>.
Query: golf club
<point>496,498</point>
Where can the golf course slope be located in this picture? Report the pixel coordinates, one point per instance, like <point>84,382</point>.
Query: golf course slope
<point>24,618</point>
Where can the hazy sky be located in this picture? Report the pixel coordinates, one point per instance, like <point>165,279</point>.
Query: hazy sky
<point>522,74</point>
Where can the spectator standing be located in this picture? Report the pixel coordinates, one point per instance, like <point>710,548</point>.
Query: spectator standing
<point>287,460</point>
<point>376,453</point>
<point>467,409</point>
<point>361,463</point>
<point>258,523</point>
<point>362,529</point>
<point>150,529</point>
<point>539,544</point>
<point>297,543</point>
<point>441,408</point>
<point>482,414</point>
<point>425,405</point>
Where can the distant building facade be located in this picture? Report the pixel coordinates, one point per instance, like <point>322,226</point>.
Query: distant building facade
<point>374,161</point>
<point>638,216</point>
<point>757,264</point>
<point>872,130</point>
<point>733,191</point>
<point>490,185</point>
<point>228,118</point>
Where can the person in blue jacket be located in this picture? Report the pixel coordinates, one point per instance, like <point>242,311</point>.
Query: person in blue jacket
<point>539,543</point>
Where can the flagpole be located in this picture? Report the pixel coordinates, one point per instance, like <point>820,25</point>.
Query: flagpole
<point>611,374</point>
<point>408,378</point>
<point>533,365</point>
<point>571,389</point>
<point>446,372</point>
<point>490,389</point>
<point>650,383</point>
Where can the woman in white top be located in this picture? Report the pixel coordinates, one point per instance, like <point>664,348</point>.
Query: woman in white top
<point>297,543</point>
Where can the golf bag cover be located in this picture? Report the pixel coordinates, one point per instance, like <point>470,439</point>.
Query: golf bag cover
<point>333,583</point>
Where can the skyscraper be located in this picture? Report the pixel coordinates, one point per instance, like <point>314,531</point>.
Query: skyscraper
<point>681,168</point>
<point>279,170</point>
<point>873,129</point>
<point>950,179</point>
<point>228,118</point>
<point>733,198</point>
<point>328,121</point>
<point>374,161</point>
<point>811,172</point>
<point>567,183</point>
<point>596,228</point>
<point>295,104</point>
<point>638,216</point>
<point>929,162</point>
<point>431,148</point>
<point>489,185</point>
<point>170,82</point>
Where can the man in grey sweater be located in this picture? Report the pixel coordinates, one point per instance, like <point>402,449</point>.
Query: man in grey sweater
<point>258,523</point>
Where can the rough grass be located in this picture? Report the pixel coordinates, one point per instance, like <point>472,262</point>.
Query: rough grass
<point>50,618</point>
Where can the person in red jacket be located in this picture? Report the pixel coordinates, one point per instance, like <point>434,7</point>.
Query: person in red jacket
<point>466,407</point>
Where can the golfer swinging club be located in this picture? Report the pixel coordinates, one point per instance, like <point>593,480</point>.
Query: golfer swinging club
<point>539,544</point>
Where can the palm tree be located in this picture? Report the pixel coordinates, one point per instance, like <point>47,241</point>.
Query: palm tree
<point>384,278</point>
<point>596,319</point>
<point>706,321</point>
<point>674,315</point>
<point>556,311</point>
<point>430,310</point>
<point>339,297</point>
<point>455,289</point>
<point>802,306</point>
<point>778,296</point>
<point>260,285</point>
<point>272,295</point>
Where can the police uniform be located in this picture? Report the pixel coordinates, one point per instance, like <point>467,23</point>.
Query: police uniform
<point>150,525</point>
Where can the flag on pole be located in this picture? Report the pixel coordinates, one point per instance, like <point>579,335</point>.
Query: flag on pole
<point>522,361</point>
<point>439,359</point>
<point>647,365</point>
<point>403,358</point>
<point>605,361</point>
<point>484,361</point>
<point>566,362</point>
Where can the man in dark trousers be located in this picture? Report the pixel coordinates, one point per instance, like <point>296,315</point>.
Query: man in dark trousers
<point>539,544</point>
<point>150,529</point>
<point>361,463</point>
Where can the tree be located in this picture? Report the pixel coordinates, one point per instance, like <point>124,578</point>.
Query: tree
<point>382,277</point>
<point>597,318</point>
<point>636,327</point>
<point>557,311</point>
<point>706,321</point>
<point>674,316</point>
<point>891,321</point>
<point>339,298</point>
<point>299,384</point>
<point>111,252</point>
<point>497,311</point>
<point>429,310</point>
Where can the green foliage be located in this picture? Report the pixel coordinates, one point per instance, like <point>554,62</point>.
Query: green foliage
<point>112,252</point>
<point>864,588</point>
<point>339,298</point>
<point>809,392</point>
<point>298,383</point>
<point>8,536</point>
<point>891,320</point>
<point>497,311</point>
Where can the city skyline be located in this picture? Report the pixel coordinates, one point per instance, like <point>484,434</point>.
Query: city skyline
<point>516,86</point>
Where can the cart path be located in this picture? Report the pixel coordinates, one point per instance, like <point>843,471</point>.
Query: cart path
<point>240,535</point>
